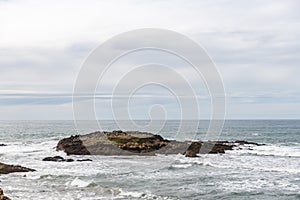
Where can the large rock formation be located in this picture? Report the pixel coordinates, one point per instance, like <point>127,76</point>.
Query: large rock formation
<point>2,196</point>
<point>139,143</point>
<point>112,143</point>
<point>6,169</point>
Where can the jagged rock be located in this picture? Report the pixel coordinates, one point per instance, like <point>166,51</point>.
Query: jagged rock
<point>72,145</point>
<point>139,143</point>
<point>193,149</point>
<point>57,159</point>
<point>208,147</point>
<point>2,196</point>
<point>6,169</point>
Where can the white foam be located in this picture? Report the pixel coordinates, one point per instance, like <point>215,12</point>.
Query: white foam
<point>278,169</point>
<point>182,166</point>
<point>141,195</point>
<point>78,183</point>
<point>131,194</point>
<point>271,150</point>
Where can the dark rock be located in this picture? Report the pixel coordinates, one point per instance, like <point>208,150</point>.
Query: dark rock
<point>57,159</point>
<point>243,142</point>
<point>207,147</point>
<point>193,149</point>
<point>72,145</point>
<point>216,147</point>
<point>83,160</point>
<point>6,169</point>
<point>3,145</point>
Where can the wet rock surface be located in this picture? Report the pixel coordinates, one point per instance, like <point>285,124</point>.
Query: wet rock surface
<point>6,169</point>
<point>140,143</point>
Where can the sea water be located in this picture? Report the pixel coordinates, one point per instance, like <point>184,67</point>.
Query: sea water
<point>271,171</point>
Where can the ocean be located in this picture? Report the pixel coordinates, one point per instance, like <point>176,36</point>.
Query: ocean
<point>270,172</point>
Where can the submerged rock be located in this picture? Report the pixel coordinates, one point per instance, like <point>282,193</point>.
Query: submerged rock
<point>6,169</point>
<point>139,143</point>
<point>2,196</point>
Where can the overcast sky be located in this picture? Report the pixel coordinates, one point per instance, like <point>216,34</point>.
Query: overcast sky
<point>254,44</point>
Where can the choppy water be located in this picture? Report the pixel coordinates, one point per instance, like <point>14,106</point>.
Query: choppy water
<point>266,172</point>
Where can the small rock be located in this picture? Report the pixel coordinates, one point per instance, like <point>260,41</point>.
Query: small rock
<point>83,160</point>
<point>54,159</point>
<point>57,159</point>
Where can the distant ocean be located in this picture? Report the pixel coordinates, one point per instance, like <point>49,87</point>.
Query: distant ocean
<point>261,172</point>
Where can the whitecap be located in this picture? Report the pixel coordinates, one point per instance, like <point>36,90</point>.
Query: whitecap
<point>79,183</point>
<point>181,166</point>
<point>271,150</point>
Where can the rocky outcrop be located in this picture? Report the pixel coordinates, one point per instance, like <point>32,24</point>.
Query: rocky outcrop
<point>140,143</point>
<point>6,169</point>
<point>72,145</point>
<point>2,196</point>
<point>112,143</point>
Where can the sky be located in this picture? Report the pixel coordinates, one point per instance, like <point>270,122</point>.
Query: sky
<point>254,44</point>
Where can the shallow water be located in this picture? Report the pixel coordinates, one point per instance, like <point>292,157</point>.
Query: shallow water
<point>266,172</point>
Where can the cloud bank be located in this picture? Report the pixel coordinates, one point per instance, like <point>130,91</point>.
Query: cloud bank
<point>254,44</point>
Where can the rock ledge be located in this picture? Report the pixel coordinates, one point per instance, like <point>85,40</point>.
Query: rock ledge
<point>6,169</point>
